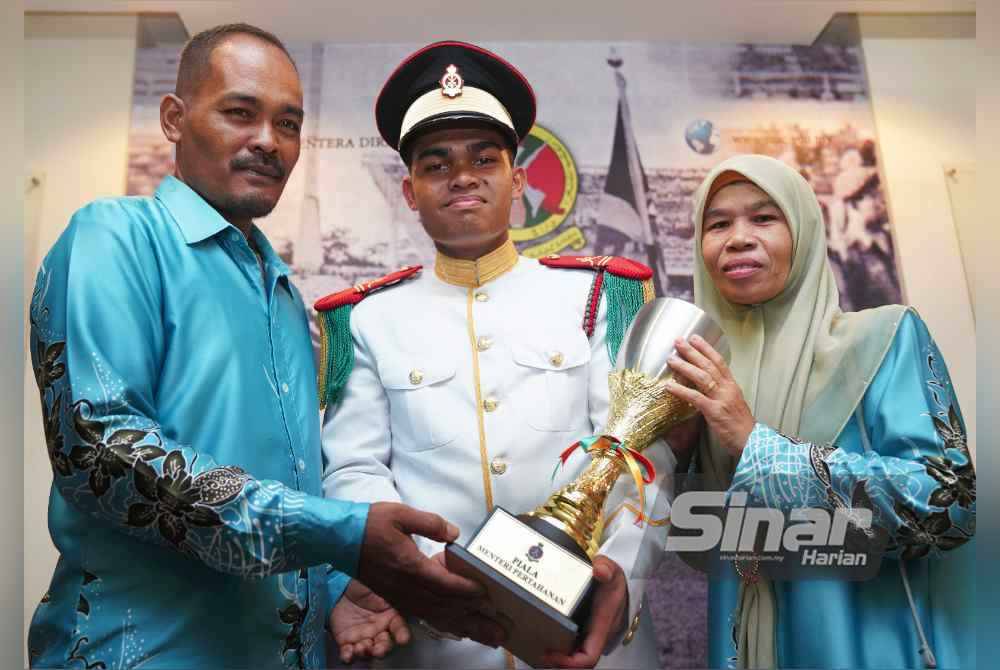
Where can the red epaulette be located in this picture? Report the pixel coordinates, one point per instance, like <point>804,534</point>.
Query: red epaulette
<point>616,265</point>
<point>358,292</point>
<point>633,272</point>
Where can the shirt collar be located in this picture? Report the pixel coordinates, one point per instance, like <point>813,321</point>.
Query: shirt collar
<point>470,274</point>
<point>197,219</point>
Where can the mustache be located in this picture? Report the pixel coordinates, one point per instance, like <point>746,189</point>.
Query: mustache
<point>272,167</point>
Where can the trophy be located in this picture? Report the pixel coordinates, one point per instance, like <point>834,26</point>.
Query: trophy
<point>536,567</point>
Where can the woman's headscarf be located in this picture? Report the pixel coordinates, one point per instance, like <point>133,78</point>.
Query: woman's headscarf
<point>802,364</point>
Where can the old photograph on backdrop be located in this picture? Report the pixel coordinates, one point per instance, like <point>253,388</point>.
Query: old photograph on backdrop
<point>625,133</point>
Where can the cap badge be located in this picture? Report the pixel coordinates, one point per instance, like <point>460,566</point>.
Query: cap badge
<point>451,82</point>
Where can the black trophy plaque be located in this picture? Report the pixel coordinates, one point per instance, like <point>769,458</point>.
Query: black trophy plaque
<point>538,581</point>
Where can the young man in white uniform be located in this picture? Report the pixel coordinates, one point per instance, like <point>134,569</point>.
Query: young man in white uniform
<point>470,379</point>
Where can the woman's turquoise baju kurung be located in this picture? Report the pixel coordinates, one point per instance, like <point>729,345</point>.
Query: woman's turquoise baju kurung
<point>917,471</point>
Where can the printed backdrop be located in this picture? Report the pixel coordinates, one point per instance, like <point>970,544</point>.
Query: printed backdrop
<point>625,134</point>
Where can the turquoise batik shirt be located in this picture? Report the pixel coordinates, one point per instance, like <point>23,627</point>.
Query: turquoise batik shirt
<point>905,451</point>
<point>182,424</point>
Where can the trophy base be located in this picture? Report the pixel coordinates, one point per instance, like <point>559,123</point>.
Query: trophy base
<point>538,589</point>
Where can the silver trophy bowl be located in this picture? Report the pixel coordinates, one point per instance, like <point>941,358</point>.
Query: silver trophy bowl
<point>649,341</point>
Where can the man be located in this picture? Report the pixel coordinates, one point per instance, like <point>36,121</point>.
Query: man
<point>177,381</point>
<point>469,381</point>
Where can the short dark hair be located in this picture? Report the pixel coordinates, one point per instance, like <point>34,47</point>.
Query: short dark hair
<point>197,52</point>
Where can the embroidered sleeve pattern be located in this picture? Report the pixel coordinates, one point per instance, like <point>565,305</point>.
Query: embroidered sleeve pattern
<point>918,479</point>
<point>777,471</point>
<point>121,469</point>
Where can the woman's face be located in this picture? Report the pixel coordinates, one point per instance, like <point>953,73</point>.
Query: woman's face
<point>746,244</point>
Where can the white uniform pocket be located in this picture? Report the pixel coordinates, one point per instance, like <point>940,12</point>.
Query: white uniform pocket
<point>557,381</point>
<point>417,388</point>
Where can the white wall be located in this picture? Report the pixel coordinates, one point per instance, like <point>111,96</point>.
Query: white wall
<point>922,76</point>
<point>75,136</point>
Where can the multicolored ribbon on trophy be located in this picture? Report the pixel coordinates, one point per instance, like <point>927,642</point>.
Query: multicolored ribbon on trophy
<point>633,460</point>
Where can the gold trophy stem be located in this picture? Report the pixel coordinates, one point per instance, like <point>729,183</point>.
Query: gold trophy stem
<point>640,409</point>
<point>578,508</point>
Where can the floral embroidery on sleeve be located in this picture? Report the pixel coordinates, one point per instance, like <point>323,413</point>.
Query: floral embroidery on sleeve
<point>54,437</point>
<point>107,459</point>
<point>176,501</point>
<point>162,490</point>
<point>953,470</point>
<point>924,503</point>
<point>917,536</point>
<point>49,369</point>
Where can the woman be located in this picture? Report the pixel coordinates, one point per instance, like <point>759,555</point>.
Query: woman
<point>816,406</point>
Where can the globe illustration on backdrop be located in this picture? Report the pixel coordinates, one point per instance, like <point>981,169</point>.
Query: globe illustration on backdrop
<point>702,136</point>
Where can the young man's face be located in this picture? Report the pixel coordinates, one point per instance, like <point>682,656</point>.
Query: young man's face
<point>462,182</point>
<point>239,136</point>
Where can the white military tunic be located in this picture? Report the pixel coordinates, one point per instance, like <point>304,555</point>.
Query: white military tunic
<point>463,398</point>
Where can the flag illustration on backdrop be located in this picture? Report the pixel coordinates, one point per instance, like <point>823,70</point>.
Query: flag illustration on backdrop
<point>623,212</point>
<point>546,181</point>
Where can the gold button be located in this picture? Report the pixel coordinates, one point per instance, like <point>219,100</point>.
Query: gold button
<point>497,466</point>
<point>490,404</point>
<point>416,376</point>
<point>556,359</point>
<point>484,343</point>
<point>633,627</point>
<point>482,297</point>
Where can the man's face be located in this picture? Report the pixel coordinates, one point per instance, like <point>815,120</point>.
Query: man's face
<point>746,244</point>
<point>239,135</point>
<point>462,182</point>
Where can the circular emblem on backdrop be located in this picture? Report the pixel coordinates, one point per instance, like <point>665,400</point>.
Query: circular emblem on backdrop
<point>702,136</point>
<point>535,552</point>
<point>551,188</point>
